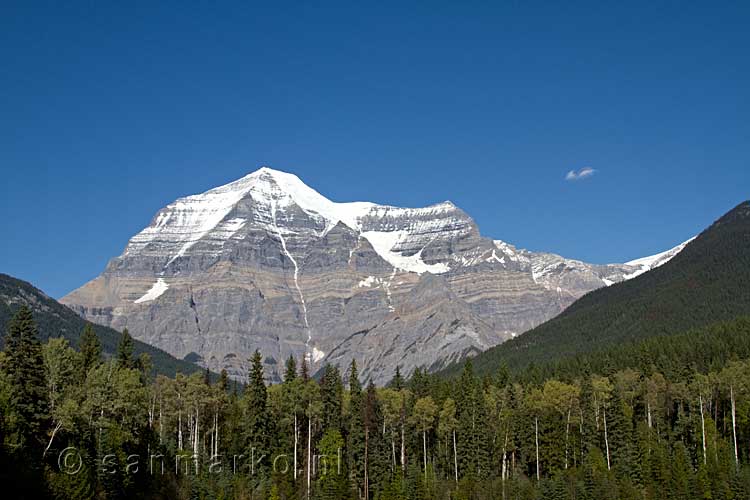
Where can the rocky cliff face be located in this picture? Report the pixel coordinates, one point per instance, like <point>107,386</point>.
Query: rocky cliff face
<point>267,263</point>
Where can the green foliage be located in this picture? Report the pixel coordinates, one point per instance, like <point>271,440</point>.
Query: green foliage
<point>125,351</point>
<point>258,421</point>
<point>332,395</point>
<point>91,349</point>
<point>651,448</point>
<point>27,417</point>
<point>24,365</point>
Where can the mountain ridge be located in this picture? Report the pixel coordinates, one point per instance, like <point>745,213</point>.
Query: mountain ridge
<point>267,262</point>
<point>707,282</point>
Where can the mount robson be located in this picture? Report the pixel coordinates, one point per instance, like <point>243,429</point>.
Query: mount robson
<point>267,263</point>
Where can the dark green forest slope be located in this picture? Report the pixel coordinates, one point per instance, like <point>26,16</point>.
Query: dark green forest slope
<point>708,282</point>
<point>56,320</point>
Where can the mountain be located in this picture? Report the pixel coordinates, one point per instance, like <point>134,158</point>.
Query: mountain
<point>266,262</point>
<point>707,282</point>
<point>56,320</point>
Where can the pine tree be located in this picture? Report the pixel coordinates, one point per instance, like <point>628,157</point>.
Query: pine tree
<point>331,390</point>
<point>679,486</point>
<point>466,434</point>
<point>376,447</point>
<point>479,435</point>
<point>258,422</point>
<point>398,380</point>
<point>91,349</point>
<point>355,445</point>
<point>125,357</point>
<point>223,382</point>
<point>291,369</point>
<point>24,365</point>
<point>418,383</point>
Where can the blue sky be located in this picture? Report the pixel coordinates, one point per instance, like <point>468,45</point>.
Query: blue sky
<point>107,113</point>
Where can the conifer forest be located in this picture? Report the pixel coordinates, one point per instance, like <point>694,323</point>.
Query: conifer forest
<point>673,423</point>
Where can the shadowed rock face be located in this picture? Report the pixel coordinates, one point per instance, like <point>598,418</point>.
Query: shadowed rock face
<point>267,263</point>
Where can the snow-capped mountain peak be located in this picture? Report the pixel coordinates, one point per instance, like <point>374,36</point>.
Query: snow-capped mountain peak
<point>267,262</point>
<point>294,190</point>
<point>397,234</point>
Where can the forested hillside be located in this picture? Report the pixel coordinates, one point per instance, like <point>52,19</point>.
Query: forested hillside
<point>56,320</point>
<point>708,282</point>
<point>76,426</point>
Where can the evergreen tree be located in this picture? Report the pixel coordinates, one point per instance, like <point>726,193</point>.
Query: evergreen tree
<point>25,366</point>
<point>91,349</point>
<point>125,357</point>
<point>418,383</point>
<point>223,382</point>
<point>355,449</point>
<point>291,369</point>
<point>376,447</point>
<point>258,422</point>
<point>29,405</point>
<point>471,433</point>
<point>398,380</point>
<point>331,389</point>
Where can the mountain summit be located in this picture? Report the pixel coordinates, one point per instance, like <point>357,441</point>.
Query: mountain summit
<point>268,263</point>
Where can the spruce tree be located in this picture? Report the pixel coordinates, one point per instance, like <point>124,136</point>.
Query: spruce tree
<point>24,365</point>
<point>376,445</point>
<point>465,410</point>
<point>125,357</point>
<point>291,369</point>
<point>91,349</point>
<point>398,380</point>
<point>418,383</point>
<point>331,390</point>
<point>355,446</point>
<point>223,382</point>
<point>258,423</point>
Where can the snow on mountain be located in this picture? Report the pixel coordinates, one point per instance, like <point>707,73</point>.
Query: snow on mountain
<point>266,262</point>
<point>154,292</point>
<point>187,220</point>
<point>653,261</point>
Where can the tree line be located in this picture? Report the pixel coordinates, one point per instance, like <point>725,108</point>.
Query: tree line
<point>76,425</point>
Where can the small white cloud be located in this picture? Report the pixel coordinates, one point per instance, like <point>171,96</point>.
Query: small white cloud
<point>583,173</point>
